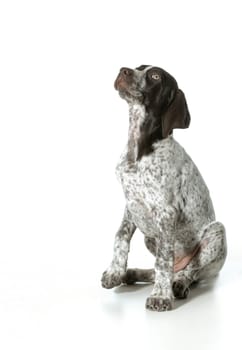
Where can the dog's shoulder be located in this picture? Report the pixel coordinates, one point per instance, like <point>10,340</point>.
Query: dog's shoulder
<point>168,153</point>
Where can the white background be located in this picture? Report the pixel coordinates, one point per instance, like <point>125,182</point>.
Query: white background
<point>62,128</point>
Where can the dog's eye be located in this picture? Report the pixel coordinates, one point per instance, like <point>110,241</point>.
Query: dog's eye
<point>155,76</point>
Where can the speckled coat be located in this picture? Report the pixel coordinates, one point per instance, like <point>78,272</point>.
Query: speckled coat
<point>169,202</point>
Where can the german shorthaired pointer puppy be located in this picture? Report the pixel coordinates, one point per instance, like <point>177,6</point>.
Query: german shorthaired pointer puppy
<point>166,197</point>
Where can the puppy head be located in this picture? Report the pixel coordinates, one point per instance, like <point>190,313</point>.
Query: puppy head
<point>158,91</point>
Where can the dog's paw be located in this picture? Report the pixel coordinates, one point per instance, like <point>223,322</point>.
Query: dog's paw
<point>159,303</point>
<point>111,279</point>
<point>180,289</point>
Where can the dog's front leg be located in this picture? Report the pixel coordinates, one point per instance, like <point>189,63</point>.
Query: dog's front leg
<point>161,298</point>
<point>115,274</point>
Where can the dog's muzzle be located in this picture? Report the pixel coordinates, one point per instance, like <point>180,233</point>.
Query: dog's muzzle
<point>124,79</point>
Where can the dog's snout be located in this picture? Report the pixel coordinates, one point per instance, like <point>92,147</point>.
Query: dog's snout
<point>126,71</point>
<point>124,79</point>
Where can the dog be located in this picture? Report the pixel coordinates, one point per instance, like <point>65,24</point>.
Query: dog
<point>166,197</point>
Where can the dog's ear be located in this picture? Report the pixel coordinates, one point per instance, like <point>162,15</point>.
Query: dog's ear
<point>177,115</point>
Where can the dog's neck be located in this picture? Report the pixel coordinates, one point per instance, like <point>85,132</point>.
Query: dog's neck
<point>137,114</point>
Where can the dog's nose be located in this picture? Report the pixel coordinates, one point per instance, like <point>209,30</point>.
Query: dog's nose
<point>126,71</point>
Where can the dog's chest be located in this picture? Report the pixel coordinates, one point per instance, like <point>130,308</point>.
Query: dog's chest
<point>141,184</point>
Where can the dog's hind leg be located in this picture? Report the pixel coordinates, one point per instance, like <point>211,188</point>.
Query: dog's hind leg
<point>139,275</point>
<point>207,262</point>
<point>142,275</point>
